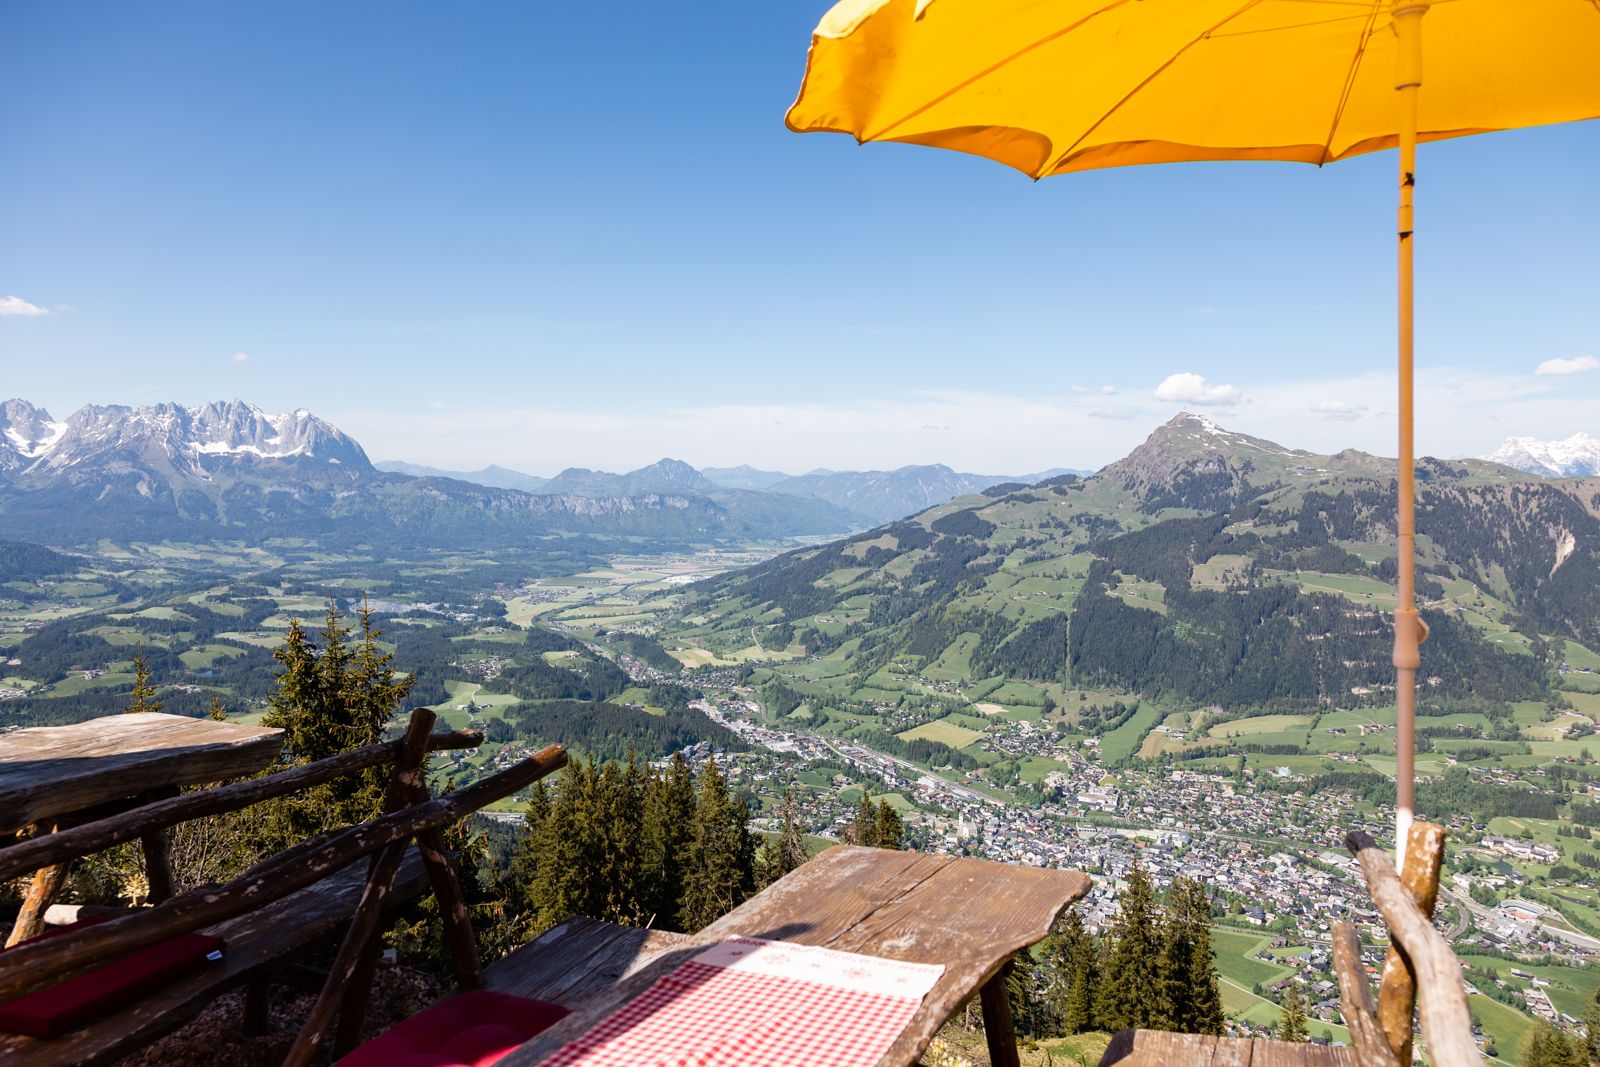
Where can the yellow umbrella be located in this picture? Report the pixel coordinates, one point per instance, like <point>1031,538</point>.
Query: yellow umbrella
<point>1051,86</point>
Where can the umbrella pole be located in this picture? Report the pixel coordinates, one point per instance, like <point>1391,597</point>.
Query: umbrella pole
<point>1409,630</point>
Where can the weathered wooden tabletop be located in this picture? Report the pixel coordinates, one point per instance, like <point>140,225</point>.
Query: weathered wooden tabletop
<point>970,915</point>
<point>55,770</point>
<point>1152,1048</point>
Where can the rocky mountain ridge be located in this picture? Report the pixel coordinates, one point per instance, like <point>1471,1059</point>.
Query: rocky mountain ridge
<point>1577,456</point>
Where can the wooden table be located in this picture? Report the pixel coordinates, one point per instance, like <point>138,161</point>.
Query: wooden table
<point>970,915</point>
<point>57,776</point>
<point>1150,1048</point>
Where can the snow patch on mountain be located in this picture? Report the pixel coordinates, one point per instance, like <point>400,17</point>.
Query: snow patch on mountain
<point>1577,456</point>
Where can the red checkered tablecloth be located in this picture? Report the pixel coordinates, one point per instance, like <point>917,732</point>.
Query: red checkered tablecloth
<point>760,1004</point>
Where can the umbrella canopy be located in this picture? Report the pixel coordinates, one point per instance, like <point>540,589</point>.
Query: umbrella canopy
<point>1053,86</point>
<point>1050,86</point>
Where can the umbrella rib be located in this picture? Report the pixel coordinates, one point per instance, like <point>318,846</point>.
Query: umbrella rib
<point>1152,76</point>
<point>1350,79</point>
<point>984,73</point>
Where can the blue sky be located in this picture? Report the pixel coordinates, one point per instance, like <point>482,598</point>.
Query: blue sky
<point>544,235</point>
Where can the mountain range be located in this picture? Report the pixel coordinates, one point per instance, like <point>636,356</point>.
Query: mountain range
<point>1206,563</point>
<point>867,496</point>
<point>229,470</point>
<point>1577,456</point>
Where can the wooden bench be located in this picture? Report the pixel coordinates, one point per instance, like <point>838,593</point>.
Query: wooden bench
<point>258,942</point>
<point>351,877</point>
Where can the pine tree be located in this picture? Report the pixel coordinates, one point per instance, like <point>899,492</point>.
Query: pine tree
<point>888,830</point>
<point>783,853</point>
<point>618,813</point>
<point>564,882</point>
<point>523,870</point>
<point>1134,987</point>
<point>1292,1021</point>
<point>1591,1029</point>
<point>327,700</point>
<point>1030,1014</point>
<point>720,871</point>
<point>1071,963</point>
<point>863,828</point>
<point>215,711</point>
<point>1548,1046</point>
<point>144,694</point>
<point>1190,967</point>
<point>667,826</point>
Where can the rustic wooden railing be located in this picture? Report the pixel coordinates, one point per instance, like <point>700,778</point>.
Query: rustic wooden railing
<point>48,850</point>
<point>408,815</point>
<point>1420,971</point>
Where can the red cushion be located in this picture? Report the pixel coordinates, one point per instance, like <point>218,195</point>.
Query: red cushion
<point>467,1030</point>
<point>53,1011</point>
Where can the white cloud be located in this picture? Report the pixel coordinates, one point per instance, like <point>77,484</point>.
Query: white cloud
<point>1460,412</point>
<point>1192,389</point>
<point>15,305</point>
<point>239,357</point>
<point>1338,409</point>
<point>1103,390</point>
<point>1576,365</point>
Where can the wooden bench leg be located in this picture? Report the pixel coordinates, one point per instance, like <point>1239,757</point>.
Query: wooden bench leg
<point>353,1004</point>
<point>458,936</point>
<point>157,866</point>
<point>256,1004</point>
<point>47,883</point>
<point>997,1029</point>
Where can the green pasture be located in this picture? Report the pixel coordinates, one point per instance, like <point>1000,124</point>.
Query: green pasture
<point>944,732</point>
<point>1122,742</point>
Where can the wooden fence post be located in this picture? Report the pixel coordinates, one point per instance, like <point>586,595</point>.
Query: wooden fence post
<point>349,983</point>
<point>1397,991</point>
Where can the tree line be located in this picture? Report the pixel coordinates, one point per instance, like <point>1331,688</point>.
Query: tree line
<point>1152,970</point>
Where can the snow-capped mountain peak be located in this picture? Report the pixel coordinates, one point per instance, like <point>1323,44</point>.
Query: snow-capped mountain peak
<point>28,433</point>
<point>1577,456</point>
<point>184,439</point>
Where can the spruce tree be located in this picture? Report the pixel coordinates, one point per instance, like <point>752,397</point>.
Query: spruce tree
<point>619,811</point>
<point>329,699</point>
<point>720,871</point>
<point>144,694</point>
<point>1134,988</point>
<point>564,883</point>
<point>523,870</point>
<point>1548,1046</point>
<point>1071,961</point>
<point>863,828</point>
<point>782,854</point>
<point>1190,967</point>
<point>665,832</point>
<point>1292,1020</point>
<point>888,830</point>
<point>1591,1029</point>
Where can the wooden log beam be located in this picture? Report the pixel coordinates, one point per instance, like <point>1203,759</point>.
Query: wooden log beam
<point>42,892</point>
<point>1355,1000</point>
<point>29,967</point>
<point>349,984</point>
<point>1446,1020</point>
<point>348,963</point>
<point>1397,990</point>
<point>45,850</point>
